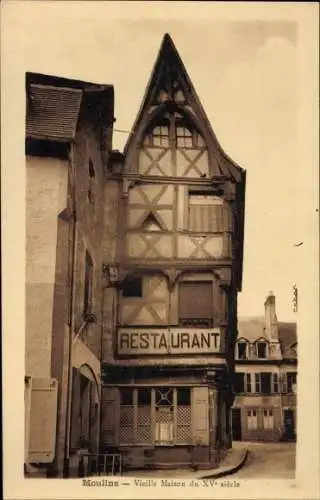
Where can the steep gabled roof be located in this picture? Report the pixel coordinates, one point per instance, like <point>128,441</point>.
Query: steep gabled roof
<point>169,62</point>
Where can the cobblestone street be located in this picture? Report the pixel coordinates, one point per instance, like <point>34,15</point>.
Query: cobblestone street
<point>268,460</point>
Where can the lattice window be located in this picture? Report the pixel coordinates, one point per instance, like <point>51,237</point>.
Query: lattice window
<point>184,428</point>
<point>144,428</point>
<point>126,428</point>
<point>144,423</point>
<point>155,415</point>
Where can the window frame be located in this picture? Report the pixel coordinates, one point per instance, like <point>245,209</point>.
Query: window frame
<point>259,383</point>
<point>268,419</point>
<point>200,321</point>
<point>130,281</point>
<point>265,344</point>
<point>292,385</point>
<point>244,343</point>
<point>252,419</point>
<point>210,207</point>
<point>172,408</point>
<point>162,135</point>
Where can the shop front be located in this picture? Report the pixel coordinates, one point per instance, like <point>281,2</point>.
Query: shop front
<point>164,407</point>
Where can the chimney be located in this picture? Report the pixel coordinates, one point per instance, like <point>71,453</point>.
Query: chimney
<point>271,322</point>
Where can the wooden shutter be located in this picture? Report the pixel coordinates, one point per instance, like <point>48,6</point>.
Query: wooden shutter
<point>195,300</point>
<point>207,214</point>
<point>43,420</point>
<point>110,416</point>
<point>75,411</point>
<point>284,383</point>
<point>200,415</point>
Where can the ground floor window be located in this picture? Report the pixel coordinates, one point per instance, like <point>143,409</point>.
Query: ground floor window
<point>267,419</point>
<point>161,415</point>
<point>252,419</point>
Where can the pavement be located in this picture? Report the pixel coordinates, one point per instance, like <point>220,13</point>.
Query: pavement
<point>268,460</point>
<point>232,462</point>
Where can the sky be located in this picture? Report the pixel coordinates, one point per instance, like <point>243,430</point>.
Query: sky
<point>246,68</point>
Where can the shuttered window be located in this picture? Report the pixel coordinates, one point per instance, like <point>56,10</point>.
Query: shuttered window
<point>207,213</point>
<point>196,304</point>
<point>41,403</point>
<point>263,383</point>
<point>292,382</point>
<point>275,380</point>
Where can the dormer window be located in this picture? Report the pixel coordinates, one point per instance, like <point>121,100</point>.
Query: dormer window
<point>261,347</point>
<point>242,350</point>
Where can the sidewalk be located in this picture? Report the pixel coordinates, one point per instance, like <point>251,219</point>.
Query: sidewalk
<point>232,462</point>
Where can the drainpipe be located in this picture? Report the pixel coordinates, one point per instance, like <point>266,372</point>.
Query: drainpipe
<point>71,314</point>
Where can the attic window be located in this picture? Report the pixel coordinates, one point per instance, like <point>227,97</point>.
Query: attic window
<point>188,137</point>
<point>242,350</point>
<point>158,136</point>
<point>184,137</point>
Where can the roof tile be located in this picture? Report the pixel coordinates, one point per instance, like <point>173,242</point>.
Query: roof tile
<point>53,112</point>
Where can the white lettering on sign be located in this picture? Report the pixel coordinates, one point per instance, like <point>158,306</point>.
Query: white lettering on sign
<point>137,341</point>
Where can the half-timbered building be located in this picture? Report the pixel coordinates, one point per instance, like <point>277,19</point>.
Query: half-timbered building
<point>172,252</point>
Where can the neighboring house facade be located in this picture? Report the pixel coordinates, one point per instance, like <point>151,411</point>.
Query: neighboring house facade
<point>172,253</point>
<point>68,140</point>
<point>265,407</point>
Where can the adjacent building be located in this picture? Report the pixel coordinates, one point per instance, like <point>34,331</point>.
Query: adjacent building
<point>68,141</point>
<point>172,253</point>
<point>265,407</point>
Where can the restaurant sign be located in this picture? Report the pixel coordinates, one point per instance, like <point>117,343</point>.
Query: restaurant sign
<point>164,341</point>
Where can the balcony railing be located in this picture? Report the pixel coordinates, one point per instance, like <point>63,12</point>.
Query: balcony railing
<point>98,464</point>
